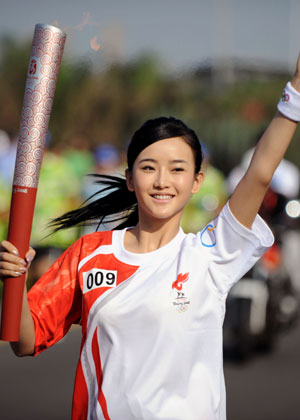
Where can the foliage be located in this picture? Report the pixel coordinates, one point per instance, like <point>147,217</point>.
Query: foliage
<point>110,104</point>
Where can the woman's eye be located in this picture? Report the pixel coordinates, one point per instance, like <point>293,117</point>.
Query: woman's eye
<point>148,168</point>
<point>178,169</point>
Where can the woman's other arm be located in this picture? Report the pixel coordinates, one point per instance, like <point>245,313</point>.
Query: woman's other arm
<point>249,193</point>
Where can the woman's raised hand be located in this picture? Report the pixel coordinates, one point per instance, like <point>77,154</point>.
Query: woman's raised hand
<point>296,78</point>
<point>11,264</point>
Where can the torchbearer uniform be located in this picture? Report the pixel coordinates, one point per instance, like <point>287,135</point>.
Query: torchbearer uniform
<point>151,323</point>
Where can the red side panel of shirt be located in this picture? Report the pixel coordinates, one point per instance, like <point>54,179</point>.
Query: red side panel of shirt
<point>57,301</point>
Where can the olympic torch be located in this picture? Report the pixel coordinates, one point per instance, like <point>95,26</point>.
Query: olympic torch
<point>46,53</point>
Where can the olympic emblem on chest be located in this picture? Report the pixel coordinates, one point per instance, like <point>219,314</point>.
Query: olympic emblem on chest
<point>181,302</point>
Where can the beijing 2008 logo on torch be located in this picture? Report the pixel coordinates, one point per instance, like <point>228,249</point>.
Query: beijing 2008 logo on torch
<point>181,302</point>
<point>32,67</point>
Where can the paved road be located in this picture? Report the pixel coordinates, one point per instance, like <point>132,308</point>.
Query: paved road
<point>266,388</point>
<point>39,388</point>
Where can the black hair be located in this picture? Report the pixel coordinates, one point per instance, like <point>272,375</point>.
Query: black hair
<point>163,128</point>
<point>116,202</point>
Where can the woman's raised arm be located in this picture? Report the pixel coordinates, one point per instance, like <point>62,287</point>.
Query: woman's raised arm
<point>270,150</point>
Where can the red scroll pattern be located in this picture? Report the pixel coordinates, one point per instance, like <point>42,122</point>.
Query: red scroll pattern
<point>46,54</point>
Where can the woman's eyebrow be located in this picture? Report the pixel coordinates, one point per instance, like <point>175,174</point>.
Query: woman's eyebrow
<point>178,161</point>
<point>170,161</point>
<point>147,160</point>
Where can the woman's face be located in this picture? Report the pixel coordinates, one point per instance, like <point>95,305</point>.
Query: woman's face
<point>163,179</point>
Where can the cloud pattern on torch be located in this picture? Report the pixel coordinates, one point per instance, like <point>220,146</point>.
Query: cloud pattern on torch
<point>46,53</point>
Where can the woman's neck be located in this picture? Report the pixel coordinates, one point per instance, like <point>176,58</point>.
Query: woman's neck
<point>149,236</point>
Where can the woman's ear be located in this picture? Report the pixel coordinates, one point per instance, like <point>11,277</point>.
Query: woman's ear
<point>129,182</point>
<point>198,181</point>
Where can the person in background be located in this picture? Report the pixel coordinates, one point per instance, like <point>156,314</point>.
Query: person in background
<point>5,197</point>
<point>58,191</point>
<point>284,188</point>
<point>285,181</point>
<point>210,199</point>
<point>78,154</point>
<point>8,149</point>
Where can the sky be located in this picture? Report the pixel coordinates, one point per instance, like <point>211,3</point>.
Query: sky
<point>183,33</point>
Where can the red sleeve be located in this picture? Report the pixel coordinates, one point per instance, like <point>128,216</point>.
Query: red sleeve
<point>55,299</point>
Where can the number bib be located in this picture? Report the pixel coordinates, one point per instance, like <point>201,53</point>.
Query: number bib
<point>96,278</point>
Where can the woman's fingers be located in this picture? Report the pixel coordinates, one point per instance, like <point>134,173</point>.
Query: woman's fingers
<point>11,264</point>
<point>8,246</point>
<point>11,270</point>
<point>6,256</point>
<point>30,255</point>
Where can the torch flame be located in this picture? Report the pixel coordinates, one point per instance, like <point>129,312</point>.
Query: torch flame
<point>94,44</point>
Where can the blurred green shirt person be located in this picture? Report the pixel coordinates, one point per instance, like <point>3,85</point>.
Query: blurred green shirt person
<point>208,202</point>
<point>5,197</point>
<point>58,192</point>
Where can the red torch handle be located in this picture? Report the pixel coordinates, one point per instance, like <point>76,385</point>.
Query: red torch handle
<point>47,48</point>
<point>21,214</point>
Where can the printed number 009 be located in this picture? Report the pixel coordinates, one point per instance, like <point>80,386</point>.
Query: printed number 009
<point>98,279</point>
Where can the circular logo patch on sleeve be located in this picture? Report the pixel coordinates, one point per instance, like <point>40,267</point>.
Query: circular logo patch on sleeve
<point>208,237</point>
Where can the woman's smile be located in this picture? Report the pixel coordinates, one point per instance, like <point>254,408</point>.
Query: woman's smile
<point>163,178</point>
<point>162,197</point>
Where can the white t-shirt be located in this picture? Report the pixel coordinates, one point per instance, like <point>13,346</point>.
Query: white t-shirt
<point>152,323</point>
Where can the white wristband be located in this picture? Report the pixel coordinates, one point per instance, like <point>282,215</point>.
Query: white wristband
<point>289,104</point>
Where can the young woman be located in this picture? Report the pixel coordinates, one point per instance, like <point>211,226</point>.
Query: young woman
<point>151,299</point>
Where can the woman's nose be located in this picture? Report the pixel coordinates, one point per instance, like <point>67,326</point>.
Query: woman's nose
<point>162,179</point>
